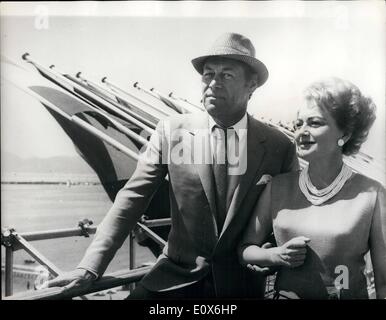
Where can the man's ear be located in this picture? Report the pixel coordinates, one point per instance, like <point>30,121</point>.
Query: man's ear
<point>253,83</point>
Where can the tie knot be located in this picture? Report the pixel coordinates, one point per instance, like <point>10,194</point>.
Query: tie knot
<point>221,132</point>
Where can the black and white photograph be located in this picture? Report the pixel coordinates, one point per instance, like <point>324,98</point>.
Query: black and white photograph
<point>193,150</point>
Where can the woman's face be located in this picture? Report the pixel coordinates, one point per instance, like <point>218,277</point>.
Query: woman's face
<point>316,132</point>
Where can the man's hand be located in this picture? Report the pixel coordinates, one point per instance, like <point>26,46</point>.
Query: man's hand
<point>292,253</point>
<point>73,279</point>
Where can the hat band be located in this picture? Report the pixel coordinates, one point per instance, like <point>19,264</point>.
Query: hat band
<point>229,50</point>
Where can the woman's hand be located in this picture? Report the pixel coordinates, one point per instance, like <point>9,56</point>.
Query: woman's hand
<point>265,271</point>
<point>291,254</point>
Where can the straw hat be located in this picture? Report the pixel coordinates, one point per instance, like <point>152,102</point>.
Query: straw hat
<point>237,47</point>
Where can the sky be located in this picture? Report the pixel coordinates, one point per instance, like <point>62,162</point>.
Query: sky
<point>154,42</point>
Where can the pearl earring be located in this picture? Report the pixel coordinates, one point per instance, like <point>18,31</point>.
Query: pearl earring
<point>340,142</point>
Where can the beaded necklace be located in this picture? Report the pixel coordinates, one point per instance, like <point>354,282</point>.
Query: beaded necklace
<point>318,197</point>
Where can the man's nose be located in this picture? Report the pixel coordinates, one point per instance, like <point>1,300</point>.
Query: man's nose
<point>215,82</point>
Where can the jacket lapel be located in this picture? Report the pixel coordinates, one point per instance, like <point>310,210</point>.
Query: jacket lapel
<point>255,156</point>
<point>203,165</point>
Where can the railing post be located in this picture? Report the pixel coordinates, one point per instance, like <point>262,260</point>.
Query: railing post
<point>131,257</point>
<point>13,241</point>
<point>132,250</point>
<point>7,240</point>
<point>8,271</point>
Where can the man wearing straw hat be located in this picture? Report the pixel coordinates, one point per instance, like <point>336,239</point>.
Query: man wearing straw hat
<point>211,201</point>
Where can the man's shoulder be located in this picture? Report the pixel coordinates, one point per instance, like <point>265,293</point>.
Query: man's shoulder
<point>185,120</point>
<point>270,133</point>
<point>182,119</point>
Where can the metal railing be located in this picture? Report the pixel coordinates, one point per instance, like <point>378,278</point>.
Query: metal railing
<point>109,281</point>
<point>13,241</point>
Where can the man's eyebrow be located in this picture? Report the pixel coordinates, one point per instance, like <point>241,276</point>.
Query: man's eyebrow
<point>208,67</point>
<point>229,69</point>
<point>316,117</point>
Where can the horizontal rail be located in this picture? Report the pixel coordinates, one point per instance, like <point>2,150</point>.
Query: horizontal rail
<point>157,222</point>
<point>74,232</point>
<point>59,233</point>
<point>109,281</point>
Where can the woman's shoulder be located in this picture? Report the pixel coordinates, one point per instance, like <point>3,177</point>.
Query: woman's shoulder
<point>288,176</point>
<point>285,179</point>
<point>366,183</point>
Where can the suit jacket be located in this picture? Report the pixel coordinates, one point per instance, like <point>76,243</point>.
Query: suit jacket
<point>195,246</point>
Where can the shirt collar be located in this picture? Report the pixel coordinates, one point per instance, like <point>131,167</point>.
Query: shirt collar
<point>241,124</point>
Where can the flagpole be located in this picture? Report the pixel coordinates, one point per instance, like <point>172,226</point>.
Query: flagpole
<point>88,127</point>
<point>95,132</point>
<point>170,101</point>
<point>120,126</point>
<point>153,94</point>
<point>130,113</point>
<point>105,92</point>
<point>104,114</point>
<point>172,95</point>
<point>167,101</point>
<point>93,84</point>
<point>119,90</point>
<point>153,119</point>
<point>73,87</point>
<point>149,92</point>
<point>186,108</point>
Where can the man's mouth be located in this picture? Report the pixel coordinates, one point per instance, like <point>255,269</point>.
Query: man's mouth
<point>212,96</point>
<point>211,99</point>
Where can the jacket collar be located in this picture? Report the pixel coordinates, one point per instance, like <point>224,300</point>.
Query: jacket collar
<point>255,155</point>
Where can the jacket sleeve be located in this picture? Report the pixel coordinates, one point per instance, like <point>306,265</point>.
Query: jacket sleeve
<point>378,243</point>
<point>130,203</point>
<point>259,226</point>
<point>291,161</point>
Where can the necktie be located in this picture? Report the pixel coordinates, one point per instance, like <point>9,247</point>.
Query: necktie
<point>220,171</point>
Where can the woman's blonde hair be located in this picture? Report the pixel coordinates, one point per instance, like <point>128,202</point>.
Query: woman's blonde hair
<point>353,112</point>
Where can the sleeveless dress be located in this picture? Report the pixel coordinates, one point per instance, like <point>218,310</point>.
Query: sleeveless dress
<point>340,233</point>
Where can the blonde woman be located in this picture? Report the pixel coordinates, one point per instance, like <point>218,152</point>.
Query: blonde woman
<point>326,217</point>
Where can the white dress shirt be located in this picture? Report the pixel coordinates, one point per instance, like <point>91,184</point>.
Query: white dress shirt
<point>236,151</point>
<point>237,144</point>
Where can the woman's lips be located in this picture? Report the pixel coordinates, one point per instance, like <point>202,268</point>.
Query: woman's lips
<point>305,144</point>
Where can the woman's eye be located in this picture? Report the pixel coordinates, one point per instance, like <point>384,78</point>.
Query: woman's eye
<point>227,76</point>
<point>297,124</point>
<point>315,123</point>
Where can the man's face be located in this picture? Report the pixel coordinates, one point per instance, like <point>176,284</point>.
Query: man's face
<point>225,88</point>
